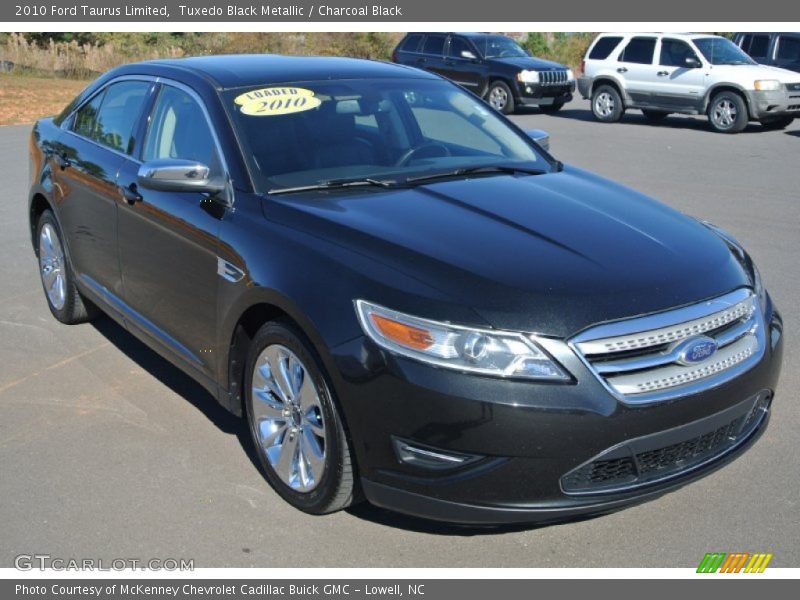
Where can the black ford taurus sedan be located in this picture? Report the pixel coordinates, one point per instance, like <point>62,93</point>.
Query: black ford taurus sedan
<point>407,299</point>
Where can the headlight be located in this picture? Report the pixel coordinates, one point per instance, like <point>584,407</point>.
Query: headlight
<point>488,352</point>
<point>528,76</point>
<point>570,75</point>
<point>767,85</point>
<point>758,286</point>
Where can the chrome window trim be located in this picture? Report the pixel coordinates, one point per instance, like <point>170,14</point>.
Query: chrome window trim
<point>68,120</point>
<point>674,318</point>
<point>156,80</point>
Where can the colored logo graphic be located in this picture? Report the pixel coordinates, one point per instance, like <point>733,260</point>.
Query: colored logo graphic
<point>736,562</point>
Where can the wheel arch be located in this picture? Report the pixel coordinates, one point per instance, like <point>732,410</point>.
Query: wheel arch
<point>38,204</point>
<point>727,87</point>
<point>240,331</point>
<point>609,80</point>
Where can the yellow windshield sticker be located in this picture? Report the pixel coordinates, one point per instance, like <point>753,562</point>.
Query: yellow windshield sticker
<point>268,102</point>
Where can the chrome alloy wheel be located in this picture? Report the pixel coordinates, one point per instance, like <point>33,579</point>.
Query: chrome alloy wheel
<point>604,104</point>
<point>52,266</point>
<point>287,418</point>
<point>724,113</point>
<point>498,98</point>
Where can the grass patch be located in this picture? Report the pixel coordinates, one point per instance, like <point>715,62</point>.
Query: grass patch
<point>25,99</point>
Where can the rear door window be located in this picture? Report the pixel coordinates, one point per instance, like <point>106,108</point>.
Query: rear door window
<point>411,43</point>
<point>118,114</point>
<point>604,47</point>
<point>434,44</point>
<point>639,50</point>
<point>788,48</point>
<point>756,45</point>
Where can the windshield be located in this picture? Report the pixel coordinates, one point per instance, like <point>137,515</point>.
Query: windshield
<point>719,51</point>
<point>304,134</point>
<point>498,46</point>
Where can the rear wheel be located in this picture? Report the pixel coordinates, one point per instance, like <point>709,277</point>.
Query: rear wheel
<point>63,298</point>
<point>780,123</point>
<point>727,113</point>
<point>500,98</point>
<point>295,425</point>
<point>655,115</point>
<point>551,108</point>
<point>607,105</point>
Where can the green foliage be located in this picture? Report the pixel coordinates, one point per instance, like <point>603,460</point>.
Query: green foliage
<point>536,44</point>
<point>565,48</point>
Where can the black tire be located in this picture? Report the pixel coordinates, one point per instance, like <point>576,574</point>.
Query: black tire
<point>74,308</point>
<point>500,98</point>
<point>336,488</point>
<point>727,112</point>
<point>779,123</point>
<point>550,109</point>
<point>654,115</point>
<point>607,104</point>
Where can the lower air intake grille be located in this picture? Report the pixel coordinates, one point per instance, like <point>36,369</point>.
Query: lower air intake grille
<point>645,460</point>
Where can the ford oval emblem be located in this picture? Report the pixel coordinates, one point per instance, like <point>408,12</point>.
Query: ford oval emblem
<point>696,350</point>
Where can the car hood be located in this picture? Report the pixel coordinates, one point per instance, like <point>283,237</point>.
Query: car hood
<point>747,74</point>
<point>551,254</point>
<point>528,62</point>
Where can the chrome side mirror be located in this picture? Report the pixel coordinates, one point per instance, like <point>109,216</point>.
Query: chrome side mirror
<point>542,138</point>
<point>178,175</point>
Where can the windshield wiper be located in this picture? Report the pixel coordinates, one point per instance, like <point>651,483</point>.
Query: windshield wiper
<point>476,171</point>
<point>332,184</point>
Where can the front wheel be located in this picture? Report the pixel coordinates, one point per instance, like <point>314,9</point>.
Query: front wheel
<point>727,113</point>
<point>500,98</point>
<point>295,425</point>
<point>607,105</point>
<point>780,123</point>
<point>551,108</point>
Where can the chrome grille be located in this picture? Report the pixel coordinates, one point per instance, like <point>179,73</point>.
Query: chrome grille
<point>553,77</point>
<point>643,359</point>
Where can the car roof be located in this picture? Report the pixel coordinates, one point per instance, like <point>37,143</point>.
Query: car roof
<point>684,36</point>
<point>242,70</point>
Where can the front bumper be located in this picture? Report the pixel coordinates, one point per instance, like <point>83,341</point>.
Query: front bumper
<point>523,439</point>
<point>536,94</point>
<point>777,104</point>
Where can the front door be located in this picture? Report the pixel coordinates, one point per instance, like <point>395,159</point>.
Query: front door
<point>678,86</point>
<point>168,241</point>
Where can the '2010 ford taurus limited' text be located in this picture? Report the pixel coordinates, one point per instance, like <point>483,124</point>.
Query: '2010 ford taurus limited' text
<point>405,296</point>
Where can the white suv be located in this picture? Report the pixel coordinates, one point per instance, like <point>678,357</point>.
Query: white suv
<point>663,73</point>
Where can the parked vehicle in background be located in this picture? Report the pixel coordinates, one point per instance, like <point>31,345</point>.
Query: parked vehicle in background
<point>777,49</point>
<point>494,67</point>
<point>668,73</point>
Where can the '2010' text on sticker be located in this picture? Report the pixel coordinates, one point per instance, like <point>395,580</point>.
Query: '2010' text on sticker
<point>268,102</point>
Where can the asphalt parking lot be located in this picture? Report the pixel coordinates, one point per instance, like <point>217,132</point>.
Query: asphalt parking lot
<point>106,451</point>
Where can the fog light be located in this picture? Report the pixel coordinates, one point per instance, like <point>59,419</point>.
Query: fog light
<point>427,457</point>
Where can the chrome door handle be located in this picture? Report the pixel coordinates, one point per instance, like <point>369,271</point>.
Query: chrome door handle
<point>131,194</point>
<point>622,70</point>
<point>662,73</point>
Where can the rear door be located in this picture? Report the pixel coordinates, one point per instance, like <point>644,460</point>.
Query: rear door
<point>432,56</point>
<point>677,86</point>
<point>635,66</point>
<point>168,241</point>
<point>90,153</point>
<point>787,51</point>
